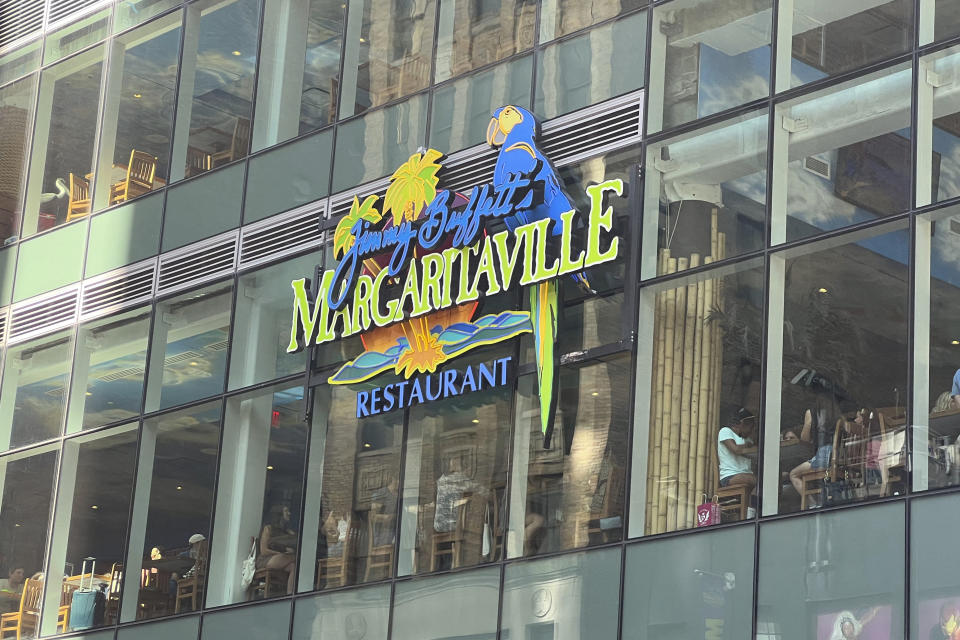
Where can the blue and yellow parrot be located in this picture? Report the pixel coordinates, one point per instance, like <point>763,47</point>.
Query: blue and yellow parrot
<point>514,130</point>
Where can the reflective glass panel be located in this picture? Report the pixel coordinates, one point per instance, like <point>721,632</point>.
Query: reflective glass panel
<point>716,209</point>
<point>16,122</point>
<point>133,12</point>
<point>261,332</point>
<point>340,614</point>
<point>34,393</point>
<point>138,124</point>
<point>839,313</point>
<point>696,586</point>
<point>389,46</point>
<point>462,109</point>
<point>834,37</point>
<point>266,621</point>
<point>190,341</point>
<point>76,35</point>
<point>297,34</point>
<point>560,17</point>
<point>376,144</point>
<point>573,596</point>
<point>475,33</point>
<point>27,493</point>
<point>204,207</point>
<point>20,61</point>
<point>463,605</point>
<point>182,628</point>
<point>168,556</point>
<point>90,521</point>
<point>934,585</point>
<point>938,165</point>
<point>820,577</point>
<point>946,19</point>
<point>259,496</point>
<point>454,486</point>
<point>61,163</point>
<point>700,355</point>
<point>600,64</point>
<point>715,56</point>
<point>837,160</point>
<point>108,370</point>
<point>216,85</point>
<point>568,483</point>
<point>360,464</point>
<point>288,176</point>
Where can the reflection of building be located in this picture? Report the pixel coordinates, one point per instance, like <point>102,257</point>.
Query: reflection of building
<point>12,135</point>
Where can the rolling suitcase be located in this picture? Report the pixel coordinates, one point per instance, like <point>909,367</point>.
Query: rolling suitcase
<point>87,605</point>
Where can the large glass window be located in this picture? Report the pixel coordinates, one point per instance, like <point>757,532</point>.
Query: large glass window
<point>389,46</point>
<point>168,557</point>
<point>946,19</point>
<point>475,33</point>
<point>188,359</point>
<point>34,393</point>
<point>27,492</point>
<point>357,461</point>
<point>16,129</point>
<point>297,34</point>
<point>454,486</point>
<point>934,584</point>
<point>568,483</point>
<point>709,56</point>
<point>834,37</point>
<point>938,129</point>
<point>269,621</point>
<point>138,112</point>
<point>572,596</point>
<point>217,71</point>
<point>704,187</point>
<point>259,496</point>
<point>464,605</point>
<point>837,372</point>
<point>90,521</point>
<point>842,156</point>
<point>560,17</point>
<point>61,163</point>
<point>833,576</point>
<point>695,586</point>
<point>699,354</point>
<point>108,370</point>
<point>462,109</point>
<point>261,331</point>
<point>600,64</point>
<point>936,411</point>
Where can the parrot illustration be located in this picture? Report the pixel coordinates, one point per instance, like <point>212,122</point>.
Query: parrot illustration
<point>514,130</point>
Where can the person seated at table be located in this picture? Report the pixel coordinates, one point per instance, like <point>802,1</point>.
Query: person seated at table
<point>732,441</point>
<point>273,554</point>
<point>819,426</point>
<point>10,594</point>
<point>383,501</point>
<point>197,552</point>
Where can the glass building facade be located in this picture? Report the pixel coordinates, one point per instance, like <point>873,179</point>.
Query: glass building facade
<point>757,421</point>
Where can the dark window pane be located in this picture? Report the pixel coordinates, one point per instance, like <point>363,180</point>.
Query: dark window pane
<point>560,17</point>
<point>24,515</point>
<point>268,621</point>
<point>474,33</point>
<point>16,121</point>
<point>464,605</point>
<point>338,614</point>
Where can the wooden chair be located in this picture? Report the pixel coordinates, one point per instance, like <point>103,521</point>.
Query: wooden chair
<point>23,621</point>
<point>239,144</point>
<point>268,583</point>
<point>198,161</point>
<point>112,608</point>
<point>891,455</point>
<point>334,571</point>
<point>813,480</point>
<point>141,169</point>
<point>79,203</point>
<point>192,588</point>
<point>379,557</point>
<point>734,500</point>
<point>63,612</point>
<point>450,543</point>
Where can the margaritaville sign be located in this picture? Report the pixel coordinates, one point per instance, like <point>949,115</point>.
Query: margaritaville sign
<point>412,273</point>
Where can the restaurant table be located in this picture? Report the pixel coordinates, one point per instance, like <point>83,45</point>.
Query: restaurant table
<point>170,565</point>
<point>792,452</point>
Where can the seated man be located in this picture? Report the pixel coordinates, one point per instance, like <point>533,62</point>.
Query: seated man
<point>733,440</point>
<point>10,594</point>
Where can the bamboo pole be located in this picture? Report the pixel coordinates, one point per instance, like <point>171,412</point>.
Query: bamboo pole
<point>705,442</point>
<point>684,506</point>
<point>656,404</point>
<point>668,337</point>
<point>718,348</point>
<point>676,400</point>
<point>697,416</point>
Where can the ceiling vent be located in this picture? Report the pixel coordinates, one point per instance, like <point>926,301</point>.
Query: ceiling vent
<point>818,166</point>
<point>117,290</point>
<point>19,19</point>
<point>3,325</point>
<point>198,263</point>
<point>595,130</point>
<point>281,235</point>
<point>44,314</point>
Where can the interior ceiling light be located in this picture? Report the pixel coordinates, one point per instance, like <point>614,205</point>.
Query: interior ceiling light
<point>822,290</point>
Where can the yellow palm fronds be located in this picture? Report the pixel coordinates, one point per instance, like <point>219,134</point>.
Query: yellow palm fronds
<point>412,186</point>
<point>342,237</point>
